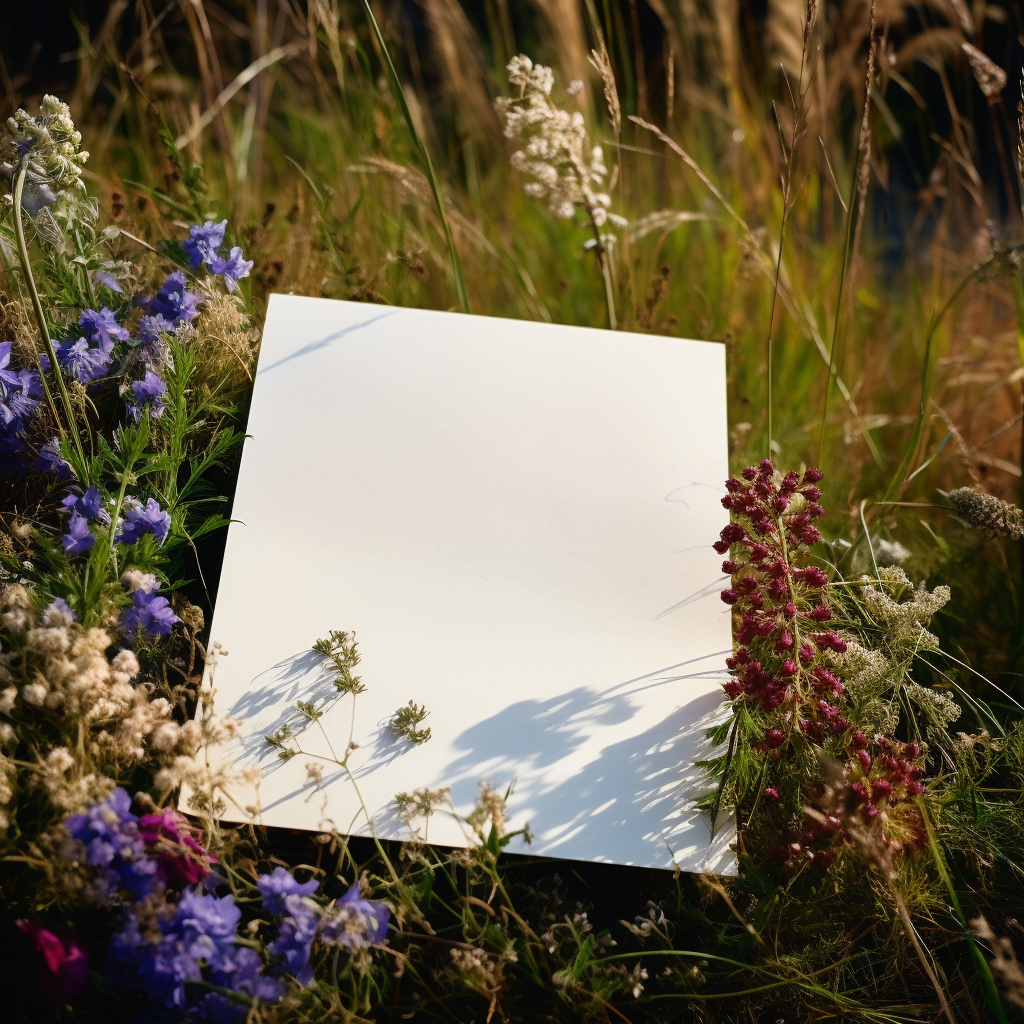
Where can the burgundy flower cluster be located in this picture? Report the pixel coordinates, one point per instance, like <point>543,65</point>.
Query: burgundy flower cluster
<point>877,807</point>
<point>778,665</point>
<point>782,666</point>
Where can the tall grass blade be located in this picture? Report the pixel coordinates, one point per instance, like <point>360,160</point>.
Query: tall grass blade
<point>428,167</point>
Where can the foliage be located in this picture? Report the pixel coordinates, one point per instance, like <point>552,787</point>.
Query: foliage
<point>907,701</point>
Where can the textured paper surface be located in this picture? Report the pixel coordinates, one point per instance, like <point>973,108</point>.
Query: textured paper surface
<point>516,520</point>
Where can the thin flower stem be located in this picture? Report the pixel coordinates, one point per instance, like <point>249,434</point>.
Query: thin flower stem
<point>787,205</point>
<point>37,305</point>
<point>854,212</point>
<point>921,954</point>
<point>602,262</point>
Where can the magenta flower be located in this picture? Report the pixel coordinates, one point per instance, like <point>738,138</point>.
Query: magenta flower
<point>170,838</point>
<point>63,963</point>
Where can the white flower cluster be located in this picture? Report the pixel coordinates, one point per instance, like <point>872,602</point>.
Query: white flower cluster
<point>58,676</point>
<point>49,146</point>
<point>874,676</point>
<point>568,171</point>
<point>904,620</point>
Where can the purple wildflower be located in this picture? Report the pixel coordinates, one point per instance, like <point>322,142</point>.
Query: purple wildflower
<point>82,361</point>
<point>240,972</point>
<point>148,393</point>
<point>50,460</point>
<point>232,269</point>
<point>201,931</point>
<point>107,837</point>
<point>203,239</point>
<point>280,884</point>
<point>149,613</point>
<point>19,401</point>
<point>89,504</point>
<point>141,519</point>
<point>78,539</point>
<point>37,197</point>
<point>101,327</point>
<point>150,342</point>
<point>108,280</point>
<point>354,922</point>
<point>174,301</point>
<point>283,895</point>
<point>197,943</point>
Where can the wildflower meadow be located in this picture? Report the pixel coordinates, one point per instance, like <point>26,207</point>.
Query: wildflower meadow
<point>832,191</point>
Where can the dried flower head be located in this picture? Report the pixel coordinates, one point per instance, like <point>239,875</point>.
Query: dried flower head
<point>986,512</point>
<point>991,78</point>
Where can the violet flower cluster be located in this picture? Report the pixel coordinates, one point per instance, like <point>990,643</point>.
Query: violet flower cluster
<point>20,391</point>
<point>149,613</point>
<point>91,355</point>
<point>179,939</point>
<point>352,922</point>
<point>84,509</point>
<point>139,854</point>
<point>201,246</point>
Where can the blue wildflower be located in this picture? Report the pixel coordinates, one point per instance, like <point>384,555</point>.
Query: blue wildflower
<point>354,922</point>
<point>50,460</point>
<point>201,931</point>
<point>241,973</point>
<point>105,278</point>
<point>19,402</point>
<point>279,884</point>
<point>101,327</point>
<point>232,269</point>
<point>148,393</point>
<point>89,504</point>
<point>78,539</point>
<point>283,895</point>
<point>174,301</point>
<point>198,942</point>
<point>141,519</point>
<point>150,341</point>
<point>83,361</point>
<point>108,834</point>
<point>149,613</point>
<point>203,239</point>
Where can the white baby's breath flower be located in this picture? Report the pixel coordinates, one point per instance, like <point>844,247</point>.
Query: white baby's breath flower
<point>7,698</point>
<point>135,579</point>
<point>126,663</point>
<point>567,171</point>
<point>34,694</point>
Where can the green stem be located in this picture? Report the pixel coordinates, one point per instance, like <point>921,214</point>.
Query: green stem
<point>399,94</point>
<point>37,305</point>
<point>602,261</point>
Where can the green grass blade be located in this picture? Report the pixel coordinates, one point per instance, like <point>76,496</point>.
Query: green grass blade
<point>428,167</point>
<point>988,984</point>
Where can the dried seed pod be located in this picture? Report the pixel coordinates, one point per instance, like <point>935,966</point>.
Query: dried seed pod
<point>986,512</point>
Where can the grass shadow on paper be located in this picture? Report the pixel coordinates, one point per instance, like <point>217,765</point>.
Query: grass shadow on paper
<point>593,810</point>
